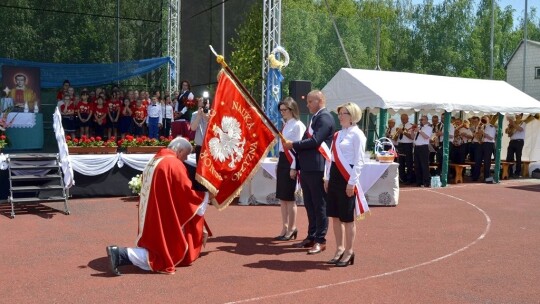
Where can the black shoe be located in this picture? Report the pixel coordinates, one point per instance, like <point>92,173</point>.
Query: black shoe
<point>114,258</point>
<point>335,259</point>
<point>279,237</point>
<point>306,243</point>
<point>346,263</point>
<point>293,236</point>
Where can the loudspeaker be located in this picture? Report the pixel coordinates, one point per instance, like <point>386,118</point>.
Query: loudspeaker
<point>298,90</point>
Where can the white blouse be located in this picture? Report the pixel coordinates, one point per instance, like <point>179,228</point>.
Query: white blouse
<point>352,143</point>
<point>293,130</point>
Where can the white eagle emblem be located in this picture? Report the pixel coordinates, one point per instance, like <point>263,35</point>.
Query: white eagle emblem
<point>228,142</point>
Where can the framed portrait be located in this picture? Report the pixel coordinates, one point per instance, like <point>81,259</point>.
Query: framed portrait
<point>23,85</point>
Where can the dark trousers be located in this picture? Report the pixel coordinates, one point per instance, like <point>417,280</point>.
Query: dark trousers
<point>421,165</point>
<point>515,147</point>
<point>405,151</point>
<point>315,204</point>
<point>474,148</point>
<point>153,127</point>
<point>166,130</point>
<point>486,150</point>
<point>461,154</point>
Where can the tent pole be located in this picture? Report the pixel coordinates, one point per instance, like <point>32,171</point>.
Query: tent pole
<point>498,145</point>
<point>446,146</point>
<point>382,121</point>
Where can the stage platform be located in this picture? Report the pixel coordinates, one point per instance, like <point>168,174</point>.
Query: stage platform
<point>107,175</point>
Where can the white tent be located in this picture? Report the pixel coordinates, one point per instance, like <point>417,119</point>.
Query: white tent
<point>409,91</point>
<point>401,91</point>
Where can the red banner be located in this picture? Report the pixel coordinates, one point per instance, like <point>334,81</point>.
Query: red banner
<point>236,141</point>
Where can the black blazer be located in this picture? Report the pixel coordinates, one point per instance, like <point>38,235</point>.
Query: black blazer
<point>309,157</point>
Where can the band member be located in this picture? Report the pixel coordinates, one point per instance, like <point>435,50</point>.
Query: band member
<point>391,132</point>
<point>486,135</point>
<point>422,134</point>
<point>516,132</point>
<point>405,150</point>
<point>434,140</point>
<point>466,136</point>
<point>474,147</point>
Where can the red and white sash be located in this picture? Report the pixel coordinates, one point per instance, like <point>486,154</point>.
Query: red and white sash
<point>288,153</point>
<point>323,148</point>
<point>361,205</point>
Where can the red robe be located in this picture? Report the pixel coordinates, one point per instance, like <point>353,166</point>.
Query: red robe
<point>169,227</point>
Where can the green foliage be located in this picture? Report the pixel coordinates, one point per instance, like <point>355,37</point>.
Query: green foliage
<point>450,38</point>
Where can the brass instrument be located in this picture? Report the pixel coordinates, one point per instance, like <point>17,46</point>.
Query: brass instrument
<point>493,119</point>
<point>395,136</point>
<point>511,129</point>
<point>479,133</point>
<point>434,140</point>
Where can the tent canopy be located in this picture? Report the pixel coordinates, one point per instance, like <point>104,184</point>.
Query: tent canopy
<point>409,91</point>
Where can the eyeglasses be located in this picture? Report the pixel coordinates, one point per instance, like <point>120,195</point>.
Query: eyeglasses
<point>284,110</point>
<point>344,113</point>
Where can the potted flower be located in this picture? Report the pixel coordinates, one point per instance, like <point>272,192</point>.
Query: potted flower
<point>91,145</point>
<point>135,184</point>
<point>142,144</point>
<point>3,141</point>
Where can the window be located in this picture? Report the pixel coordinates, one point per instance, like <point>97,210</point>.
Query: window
<point>537,73</point>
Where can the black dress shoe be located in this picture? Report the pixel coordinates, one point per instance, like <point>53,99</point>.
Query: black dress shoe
<point>307,243</point>
<point>292,236</point>
<point>114,259</point>
<point>335,259</point>
<point>346,263</point>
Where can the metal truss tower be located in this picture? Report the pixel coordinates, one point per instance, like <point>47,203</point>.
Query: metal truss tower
<point>173,44</point>
<point>271,36</point>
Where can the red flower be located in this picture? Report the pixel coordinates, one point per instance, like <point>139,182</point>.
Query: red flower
<point>2,137</point>
<point>75,140</point>
<point>92,138</point>
<point>98,138</point>
<point>68,137</point>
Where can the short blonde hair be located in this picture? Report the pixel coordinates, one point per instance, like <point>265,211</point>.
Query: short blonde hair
<point>353,109</point>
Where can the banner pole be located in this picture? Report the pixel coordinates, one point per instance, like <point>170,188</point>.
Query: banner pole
<point>221,60</point>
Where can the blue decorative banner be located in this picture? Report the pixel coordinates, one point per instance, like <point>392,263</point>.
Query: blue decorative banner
<point>273,97</point>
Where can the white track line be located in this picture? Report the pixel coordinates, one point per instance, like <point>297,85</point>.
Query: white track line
<point>486,230</point>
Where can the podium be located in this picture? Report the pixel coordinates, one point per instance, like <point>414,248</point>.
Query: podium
<point>24,134</point>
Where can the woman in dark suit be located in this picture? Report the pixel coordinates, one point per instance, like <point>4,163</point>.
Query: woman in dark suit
<point>286,172</point>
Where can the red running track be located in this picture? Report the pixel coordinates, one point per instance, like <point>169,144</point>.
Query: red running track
<point>472,243</point>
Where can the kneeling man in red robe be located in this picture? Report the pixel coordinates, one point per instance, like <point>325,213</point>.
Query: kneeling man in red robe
<point>171,222</point>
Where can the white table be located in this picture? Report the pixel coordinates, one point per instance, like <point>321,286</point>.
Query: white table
<point>379,181</point>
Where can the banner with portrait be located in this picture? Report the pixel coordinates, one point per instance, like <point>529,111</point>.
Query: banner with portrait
<point>22,88</point>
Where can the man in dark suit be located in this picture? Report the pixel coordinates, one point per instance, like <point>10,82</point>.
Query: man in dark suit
<point>311,160</point>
